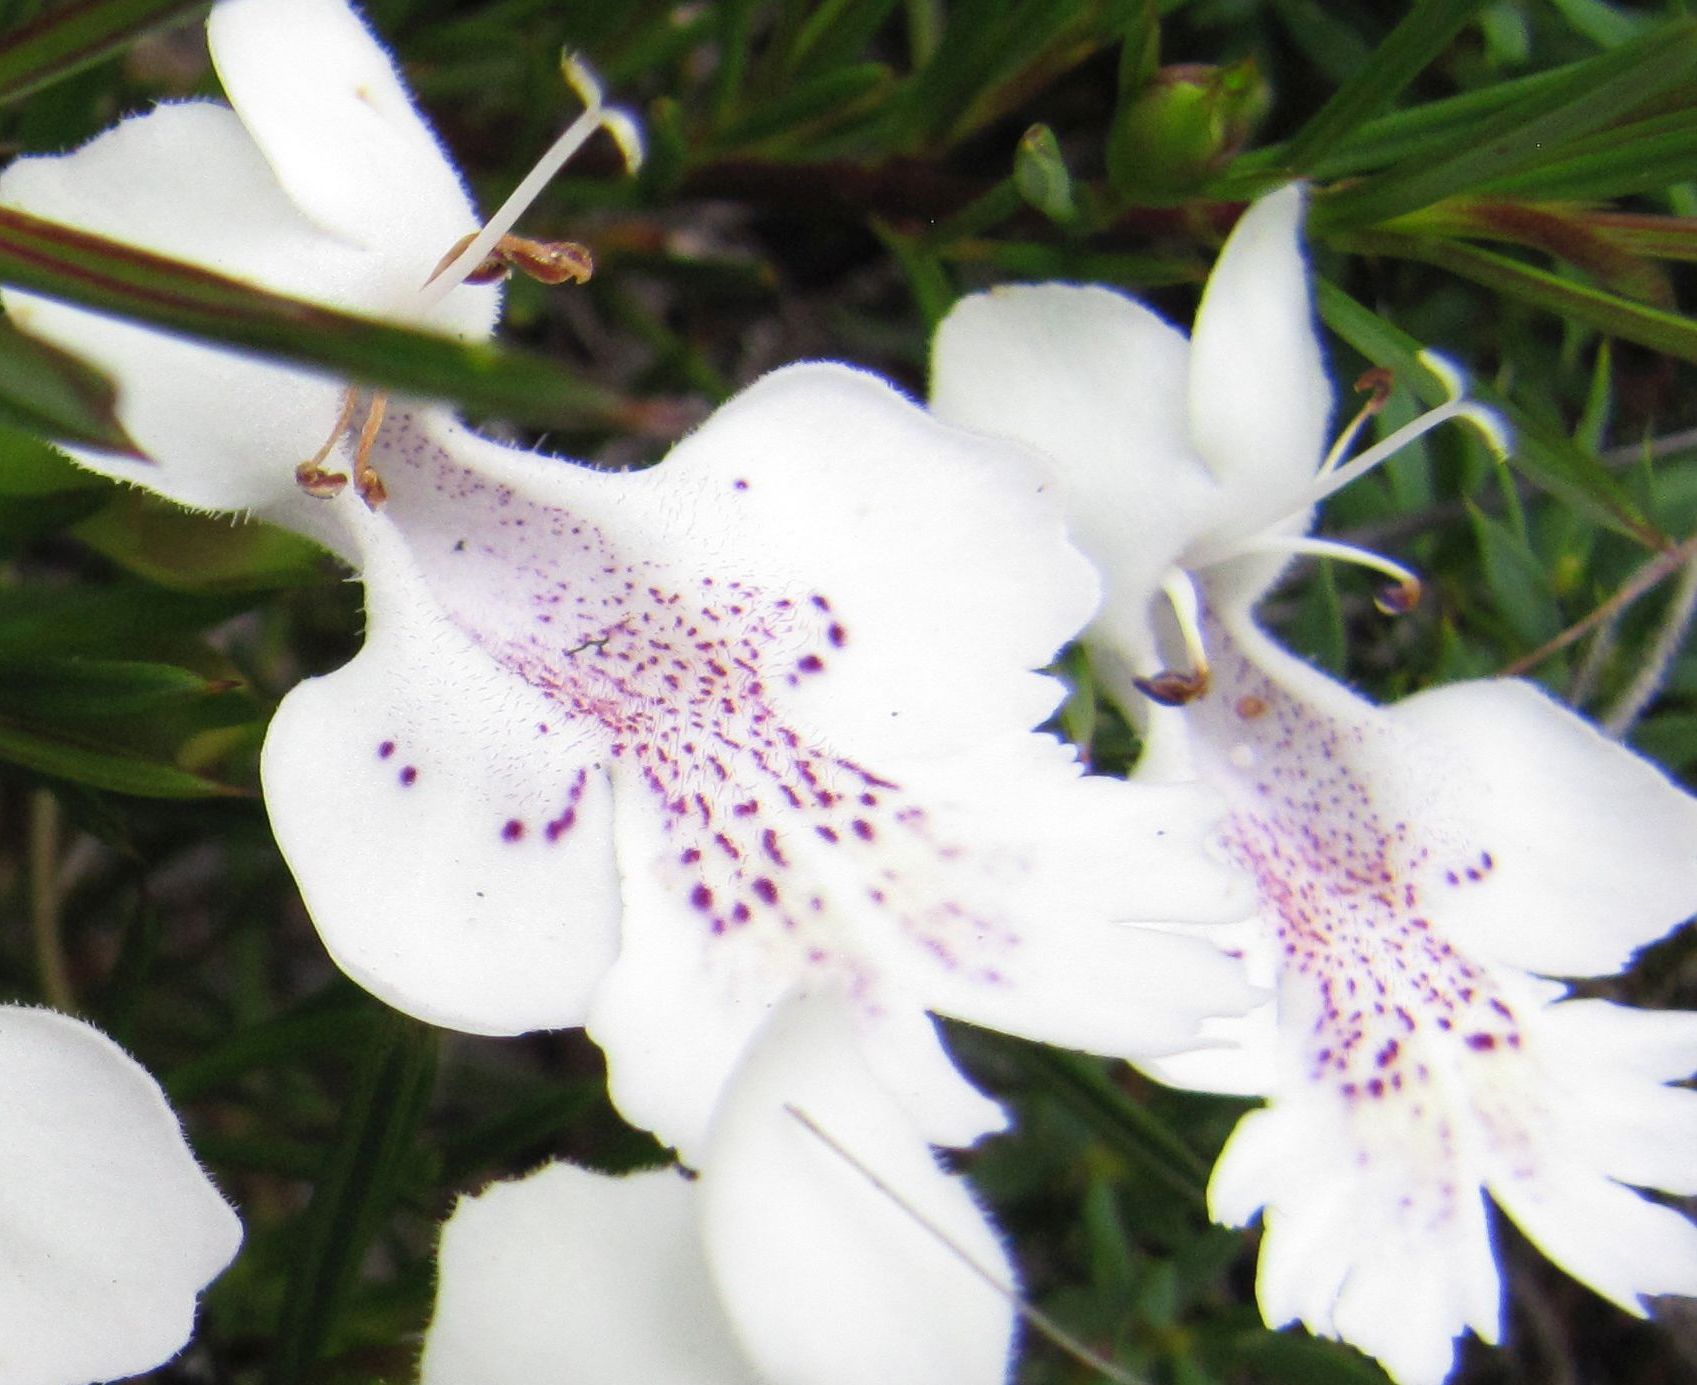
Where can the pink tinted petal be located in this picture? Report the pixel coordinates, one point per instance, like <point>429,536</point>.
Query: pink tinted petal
<point>108,1227</point>
<point>449,827</point>
<point>327,109</point>
<point>826,1279</point>
<point>572,1278</point>
<point>1260,400</point>
<point>1593,845</point>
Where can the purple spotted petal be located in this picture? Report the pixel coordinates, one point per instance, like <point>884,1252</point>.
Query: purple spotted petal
<point>720,672</point>
<point>1415,1067</point>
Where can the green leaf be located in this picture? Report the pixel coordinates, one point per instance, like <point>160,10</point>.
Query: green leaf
<point>355,1188</point>
<point>82,760</point>
<point>1424,33</point>
<point>186,551</point>
<point>82,690</point>
<point>65,263</point>
<point>1673,334</point>
<point>1587,97</point>
<point>44,390</point>
<point>1541,452</point>
<point>73,36</point>
<point>29,466</point>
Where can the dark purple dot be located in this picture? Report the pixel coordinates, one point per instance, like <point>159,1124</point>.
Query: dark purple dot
<point>837,635</point>
<point>1481,1043</point>
<point>810,663</point>
<point>828,833</point>
<point>409,775</point>
<point>863,829</point>
<point>701,897</point>
<point>512,830</point>
<point>562,824</point>
<point>740,484</point>
<point>385,750</point>
<point>690,855</point>
<point>766,890</point>
<point>740,912</point>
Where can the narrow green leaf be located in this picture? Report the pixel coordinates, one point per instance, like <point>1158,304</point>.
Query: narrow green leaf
<point>1424,33</point>
<point>1643,156</point>
<point>830,97</point>
<point>1588,97</point>
<point>1541,452</point>
<point>87,761</point>
<point>180,549</point>
<point>355,1188</point>
<point>43,390</point>
<point>65,263</point>
<point>73,36</point>
<point>82,690</point>
<point>1041,175</point>
<point>1673,334</point>
<point>29,466</point>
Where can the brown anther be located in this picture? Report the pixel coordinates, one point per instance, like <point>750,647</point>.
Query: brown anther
<point>1399,598</point>
<point>1376,381</point>
<point>1173,689</point>
<point>546,261</point>
<point>367,483</point>
<point>319,483</point>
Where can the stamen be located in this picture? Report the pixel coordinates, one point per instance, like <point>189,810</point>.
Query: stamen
<point>596,116</point>
<point>1333,477</point>
<point>1174,687</point>
<point>1377,380</point>
<point>1397,600</point>
<point>549,262</point>
<point>367,482</point>
<point>310,475</point>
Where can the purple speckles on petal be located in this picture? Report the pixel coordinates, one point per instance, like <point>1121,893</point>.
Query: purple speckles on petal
<point>1356,893</point>
<point>683,688</point>
<point>512,830</point>
<point>385,750</point>
<point>408,776</point>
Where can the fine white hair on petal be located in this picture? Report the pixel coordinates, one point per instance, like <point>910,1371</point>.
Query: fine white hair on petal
<point>108,1228</point>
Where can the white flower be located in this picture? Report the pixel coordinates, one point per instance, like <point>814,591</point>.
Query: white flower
<point>1421,868</point>
<point>108,1228</point>
<point>649,750</point>
<point>781,1261</point>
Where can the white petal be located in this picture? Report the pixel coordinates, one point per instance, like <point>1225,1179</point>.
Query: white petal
<point>1097,382</point>
<point>1593,845</point>
<point>449,826</point>
<point>572,1278</point>
<point>826,1278</point>
<point>1260,399</point>
<point>1604,1235</point>
<point>797,793</point>
<point>323,102</point>
<point>108,1228</point>
<point>224,430</point>
<point>1352,1247</point>
<point>1606,1067</point>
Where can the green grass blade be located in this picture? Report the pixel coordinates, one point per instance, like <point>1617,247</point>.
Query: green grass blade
<point>1589,97</point>
<point>74,36</point>
<point>62,262</point>
<point>1424,33</point>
